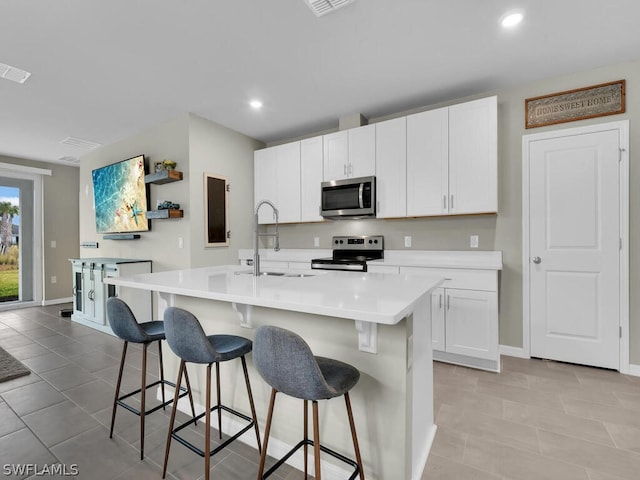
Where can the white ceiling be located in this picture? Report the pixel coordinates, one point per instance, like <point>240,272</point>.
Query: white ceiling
<point>104,70</point>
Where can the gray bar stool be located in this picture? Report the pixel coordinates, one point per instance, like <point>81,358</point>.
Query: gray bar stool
<point>124,325</point>
<point>188,341</point>
<point>287,364</point>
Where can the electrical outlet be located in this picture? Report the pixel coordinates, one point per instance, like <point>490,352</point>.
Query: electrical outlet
<point>53,244</point>
<point>473,241</point>
<point>180,242</point>
<point>407,241</point>
<point>316,241</point>
<point>54,279</point>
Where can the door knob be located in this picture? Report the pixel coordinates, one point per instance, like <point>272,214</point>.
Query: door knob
<point>537,260</point>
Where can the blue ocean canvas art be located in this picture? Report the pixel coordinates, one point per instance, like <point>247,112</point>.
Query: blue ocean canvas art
<point>120,197</point>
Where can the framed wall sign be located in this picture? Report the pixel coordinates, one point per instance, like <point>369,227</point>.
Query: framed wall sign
<point>578,104</point>
<point>216,206</point>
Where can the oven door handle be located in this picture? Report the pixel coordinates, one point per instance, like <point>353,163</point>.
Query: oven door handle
<point>335,266</point>
<point>361,195</point>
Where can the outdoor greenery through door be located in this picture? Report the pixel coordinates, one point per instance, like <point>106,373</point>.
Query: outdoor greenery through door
<point>9,244</point>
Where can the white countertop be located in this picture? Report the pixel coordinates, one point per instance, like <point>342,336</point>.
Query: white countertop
<point>467,259</point>
<point>369,297</point>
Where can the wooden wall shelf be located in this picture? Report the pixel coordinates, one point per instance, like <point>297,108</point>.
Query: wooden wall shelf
<point>165,176</point>
<point>158,214</point>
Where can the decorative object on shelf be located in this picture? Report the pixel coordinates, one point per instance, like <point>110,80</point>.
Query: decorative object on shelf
<point>169,164</point>
<point>216,202</point>
<point>168,205</point>
<point>579,104</point>
<point>157,167</point>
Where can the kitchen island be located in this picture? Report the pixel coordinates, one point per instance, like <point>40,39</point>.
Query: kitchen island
<point>377,322</point>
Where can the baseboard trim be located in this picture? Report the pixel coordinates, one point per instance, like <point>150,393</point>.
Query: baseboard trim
<point>634,370</point>
<point>56,301</point>
<point>510,351</point>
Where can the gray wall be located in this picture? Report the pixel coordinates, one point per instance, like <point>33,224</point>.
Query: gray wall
<point>504,230</point>
<point>198,146</point>
<point>61,223</point>
<point>201,146</point>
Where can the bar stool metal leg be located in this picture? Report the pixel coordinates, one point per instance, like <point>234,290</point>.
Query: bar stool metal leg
<point>173,415</point>
<point>352,424</point>
<point>207,433</point>
<point>267,430</point>
<point>306,436</point>
<point>118,383</point>
<point>143,395</point>
<point>316,440</point>
<point>218,400</point>
<point>161,372</point>
<point>251,404</point>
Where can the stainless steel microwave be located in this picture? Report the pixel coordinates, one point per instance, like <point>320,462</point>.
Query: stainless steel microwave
<point>349,198</point>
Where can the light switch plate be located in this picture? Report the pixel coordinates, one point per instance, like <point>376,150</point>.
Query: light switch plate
<point>407,241</point>
<point>473,241</point>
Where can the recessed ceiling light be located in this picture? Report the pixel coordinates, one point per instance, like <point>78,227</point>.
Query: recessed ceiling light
<point>511,19</point>
<point>255,104</point>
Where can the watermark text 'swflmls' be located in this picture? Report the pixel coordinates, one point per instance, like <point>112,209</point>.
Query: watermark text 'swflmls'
<point>31,469</point>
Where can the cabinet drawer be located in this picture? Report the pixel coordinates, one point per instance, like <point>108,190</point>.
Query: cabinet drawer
<point>465,279</point>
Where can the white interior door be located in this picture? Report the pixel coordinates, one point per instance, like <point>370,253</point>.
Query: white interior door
<point>574,247</point>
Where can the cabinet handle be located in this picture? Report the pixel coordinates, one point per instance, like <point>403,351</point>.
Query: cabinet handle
<point>444,202</point>
<point>451,202</point>
<point>448,302</point>
<point>344,169</point>
<point>440,301</point>
<point>350,168</point>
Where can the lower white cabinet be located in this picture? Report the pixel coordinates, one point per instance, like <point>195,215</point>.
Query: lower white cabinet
<point>464,321</point>
<point>90,292</point>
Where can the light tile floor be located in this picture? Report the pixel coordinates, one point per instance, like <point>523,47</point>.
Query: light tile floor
<point>535,420</point>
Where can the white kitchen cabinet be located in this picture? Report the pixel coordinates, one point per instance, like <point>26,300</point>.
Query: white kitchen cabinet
<point>464,321</point>
<point>350,153</point>
<point>428,163</point>
<point>311,153</point>
<point>391,168</point>
<point>473,157</point>
<point>277,178</point>
<point>90,293</point>
<point>452,160</point>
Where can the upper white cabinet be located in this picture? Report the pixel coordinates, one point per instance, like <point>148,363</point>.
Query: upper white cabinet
<point>277,178</point>
<point>311,153</point>
<point>391,167</point>
<point>473,156</point>
<point>439,162</point>
<point>350,153</point>
<point>452,160</point>
<point>428,163</point>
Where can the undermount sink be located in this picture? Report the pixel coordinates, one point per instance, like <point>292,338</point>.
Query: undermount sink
<point>278,274</point>
<point>274,274</point>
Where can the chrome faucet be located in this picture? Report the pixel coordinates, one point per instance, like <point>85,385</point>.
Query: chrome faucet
<point>257,235</point>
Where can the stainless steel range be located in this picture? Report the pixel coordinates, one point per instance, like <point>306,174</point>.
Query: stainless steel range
<point>352,253</point>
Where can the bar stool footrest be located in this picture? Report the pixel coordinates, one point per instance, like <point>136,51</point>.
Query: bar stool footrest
<point>157,407</point>
<point>324,449</point>
<point>193,448</point>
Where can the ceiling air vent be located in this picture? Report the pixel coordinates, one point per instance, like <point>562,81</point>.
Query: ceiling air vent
<point>14,74</point>
<point>80,143</point>
<point>73,160</point>
<point>322,7</point>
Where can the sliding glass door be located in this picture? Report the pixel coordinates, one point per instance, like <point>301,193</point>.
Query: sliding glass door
<point>9,243</point>
<point>18,245</point>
